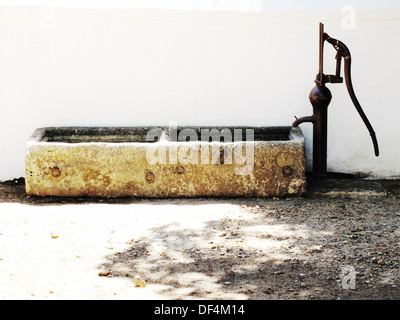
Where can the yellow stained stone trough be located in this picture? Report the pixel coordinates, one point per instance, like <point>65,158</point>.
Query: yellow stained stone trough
<point>165,162</point>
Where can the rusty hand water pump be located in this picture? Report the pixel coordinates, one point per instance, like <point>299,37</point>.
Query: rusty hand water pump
<point>320,97</point>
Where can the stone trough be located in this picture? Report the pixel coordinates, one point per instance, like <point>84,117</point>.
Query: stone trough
<point>165,162</point>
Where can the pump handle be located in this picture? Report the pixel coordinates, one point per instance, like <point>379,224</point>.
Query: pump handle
<point>344,52</point>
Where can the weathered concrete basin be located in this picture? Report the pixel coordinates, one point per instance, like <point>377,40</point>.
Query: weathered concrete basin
<point>165,161</point>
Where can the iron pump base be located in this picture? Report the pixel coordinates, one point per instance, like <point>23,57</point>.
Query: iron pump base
<point>320,97</point>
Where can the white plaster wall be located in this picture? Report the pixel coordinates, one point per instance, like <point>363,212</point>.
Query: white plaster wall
<point>253,64</point>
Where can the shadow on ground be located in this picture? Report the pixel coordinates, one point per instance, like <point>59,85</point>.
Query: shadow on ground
<point>288,248</point>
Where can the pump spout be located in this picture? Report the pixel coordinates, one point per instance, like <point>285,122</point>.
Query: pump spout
<point>298,121</point>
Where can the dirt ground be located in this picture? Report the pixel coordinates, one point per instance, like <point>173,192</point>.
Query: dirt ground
<point>277,248</point>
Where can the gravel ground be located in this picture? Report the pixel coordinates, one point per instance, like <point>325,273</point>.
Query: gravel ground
<point>286,248</point>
